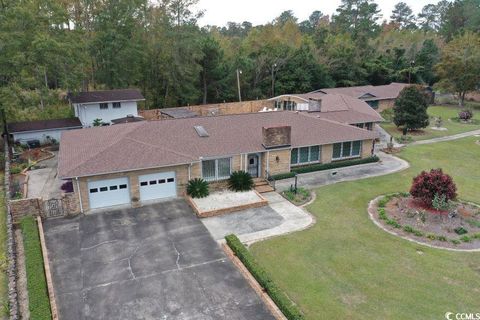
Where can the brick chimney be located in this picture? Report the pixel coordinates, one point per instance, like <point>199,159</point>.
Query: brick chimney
<point>276,137</point>
<point>314,105</point>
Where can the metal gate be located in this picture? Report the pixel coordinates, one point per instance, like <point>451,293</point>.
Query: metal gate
<point>54,208</point>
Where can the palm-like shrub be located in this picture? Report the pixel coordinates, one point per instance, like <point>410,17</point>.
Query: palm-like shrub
<point>198,188</point>
<point>428,185</point>
<point>240,181</point>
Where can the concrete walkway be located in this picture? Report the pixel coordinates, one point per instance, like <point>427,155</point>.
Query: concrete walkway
<point>447,138</point>
<point>278,218</point>
<point>44,183</point>
<point>388,164</point>
<point>384,139</point>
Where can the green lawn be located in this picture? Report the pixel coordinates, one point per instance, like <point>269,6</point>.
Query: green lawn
<point>345,267</point>
<point>446,112</point>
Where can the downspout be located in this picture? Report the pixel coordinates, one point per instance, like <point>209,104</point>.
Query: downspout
<point>268,165</point>
<point>189,172</point>
<point>79,195</point>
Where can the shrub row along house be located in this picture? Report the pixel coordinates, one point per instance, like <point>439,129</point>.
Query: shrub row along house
<point>143,161</point>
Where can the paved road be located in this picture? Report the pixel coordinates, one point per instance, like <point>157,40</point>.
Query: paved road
<point>388,164</point>
<point>155,262</point>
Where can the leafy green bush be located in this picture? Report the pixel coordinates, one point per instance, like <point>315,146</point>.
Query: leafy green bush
<point>442,238</point>
<point>455,241</point>
<point>408,228</point>
<point>465,239</point>
<point>282,176</point>
<point>324,166</point>
<point>301,196</point>
<point>240,181</point>
<point>39,302</point>
<point>288,308</point>
<point>393,223</point>
<point>418,233</point>
<point>198,188</point>
<point>460,231</point>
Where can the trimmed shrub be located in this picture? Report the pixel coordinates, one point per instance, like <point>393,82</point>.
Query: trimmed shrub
<point>324,166</point>
<point>198,188</point>
<point>465,115</point>
<point>428,184</point>
<point>334,165</point>
<point>240,181</point>
<point>460,231</point>
<point>288,308</point>
<point>38,300</point>
<point>282,176</point>
<point>67,187</point>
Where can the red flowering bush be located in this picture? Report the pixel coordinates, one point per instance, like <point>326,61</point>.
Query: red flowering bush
<point>428,184</point>
<point>465,115</point>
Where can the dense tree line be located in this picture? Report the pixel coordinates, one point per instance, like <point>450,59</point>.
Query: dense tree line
<point>51,47</point>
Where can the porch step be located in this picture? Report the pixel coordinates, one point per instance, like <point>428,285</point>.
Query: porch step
<point>264,188</point>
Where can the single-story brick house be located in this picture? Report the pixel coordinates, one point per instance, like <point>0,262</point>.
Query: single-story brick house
<point>378,97</point>
<point>141,161</point>
<point>44,131</point>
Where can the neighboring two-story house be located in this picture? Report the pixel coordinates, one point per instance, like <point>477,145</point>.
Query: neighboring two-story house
<point>107,106</point>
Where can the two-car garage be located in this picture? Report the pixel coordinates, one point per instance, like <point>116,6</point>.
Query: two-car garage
<point>113,192</point>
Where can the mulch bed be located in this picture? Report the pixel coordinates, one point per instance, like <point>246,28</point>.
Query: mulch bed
<point>34,154</point>
<point>433,224</point>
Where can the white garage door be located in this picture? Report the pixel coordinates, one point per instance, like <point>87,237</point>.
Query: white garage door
<point>157,186</point>
<point>106,193</point>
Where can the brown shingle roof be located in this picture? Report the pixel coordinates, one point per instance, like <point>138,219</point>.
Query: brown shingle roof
<point>341,108</point>
<point>389,91</point>
<point>151,144</point>
<point>107,96</point>
<point>38,125</point>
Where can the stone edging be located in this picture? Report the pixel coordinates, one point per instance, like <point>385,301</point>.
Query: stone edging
<point>48,275</point>
<point>371,213</point>
<point>271,306</point>
<point>11,252</point>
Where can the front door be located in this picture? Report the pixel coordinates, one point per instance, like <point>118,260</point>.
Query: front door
<point>252,165</point>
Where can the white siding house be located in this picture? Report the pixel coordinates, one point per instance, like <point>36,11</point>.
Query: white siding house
<point>105,105</point>
<point>45,131</point>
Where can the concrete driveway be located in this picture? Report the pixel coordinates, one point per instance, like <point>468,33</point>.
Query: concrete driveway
<point>155,262</point>
<point>44,183</point>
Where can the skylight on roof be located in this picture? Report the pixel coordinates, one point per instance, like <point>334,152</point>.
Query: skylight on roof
<point>201,131</point>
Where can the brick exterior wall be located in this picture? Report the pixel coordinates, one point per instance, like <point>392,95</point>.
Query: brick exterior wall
<point>367,148</point>
<point>182,176</point>
<point>385,104</point>
<point>181,172</point>
<point>26,207</point>
<point>283,163</point>
<point>327,152</point>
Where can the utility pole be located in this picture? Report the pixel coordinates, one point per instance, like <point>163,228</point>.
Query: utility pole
<point>273,79</point>
<point>239,72</point>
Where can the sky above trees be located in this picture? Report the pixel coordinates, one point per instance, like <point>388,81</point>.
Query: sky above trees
<point>219,12</point>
